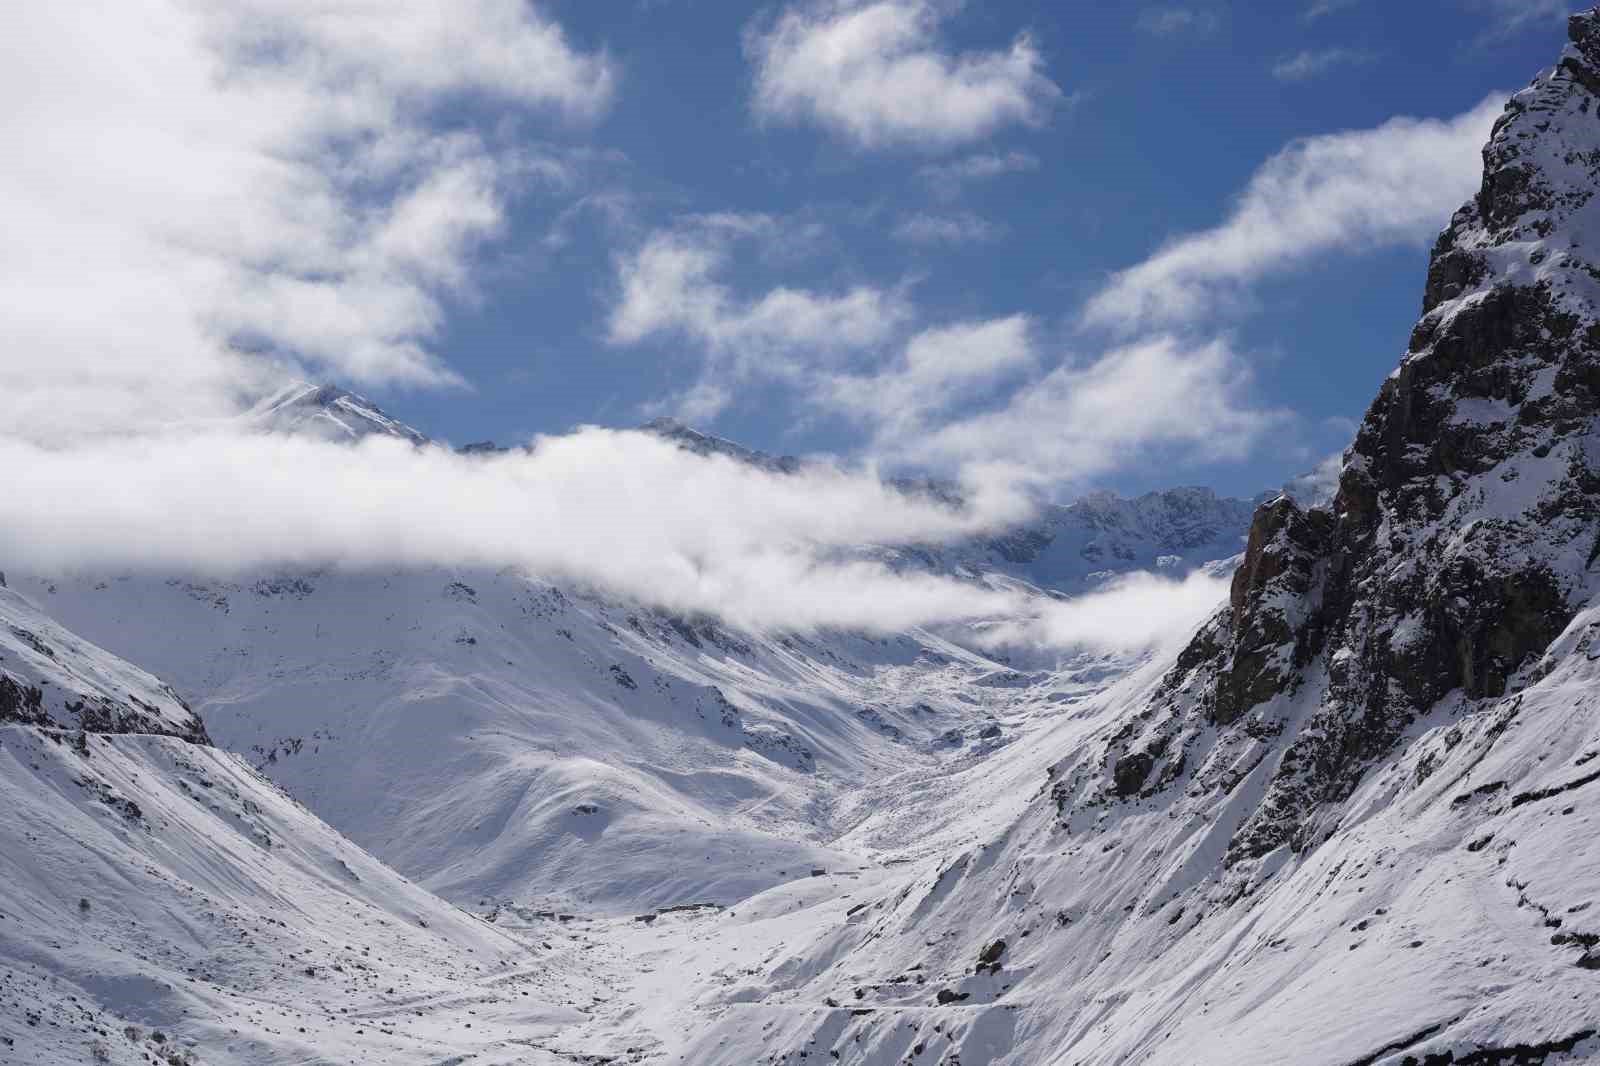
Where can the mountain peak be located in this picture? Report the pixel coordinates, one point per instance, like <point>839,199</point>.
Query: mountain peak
<point>328,411</point>
<point>1584,31</point>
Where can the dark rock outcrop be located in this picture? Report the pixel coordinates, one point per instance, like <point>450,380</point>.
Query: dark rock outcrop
<point>1464,528</point>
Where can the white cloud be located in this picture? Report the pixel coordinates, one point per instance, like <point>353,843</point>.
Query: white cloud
<point>939,369</point>
<point>1135,611</point>
<point>1302,66</point>
<point>1393,184</point>
<point>947,179</point>
<point>1510,16</point>
<point>423,48</point>
<point>673,285</point>
<point>1178,22</point>
<point>1324,8</point>
<point>212,192</point>
<point>962,228</point>
<point>1318,485</point>
<point>1151,399</point>
<point>877,73</point>
<point>625,511</point>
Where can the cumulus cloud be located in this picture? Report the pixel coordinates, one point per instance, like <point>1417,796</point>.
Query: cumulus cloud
<point>877,73</point>
<point>673,285</point>
<point>1135,611</point>
<point>212,193</point>
<point>1303,66</point>
<point>215,196</point>
<point>1156,397</point>
<point>938,369</point>
<point>621,510</point>
<point>1318,485</point>
<point>1085,418</point>
<point>1394,184</point>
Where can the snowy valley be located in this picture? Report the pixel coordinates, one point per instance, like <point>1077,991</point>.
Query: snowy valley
<point>479,815</point>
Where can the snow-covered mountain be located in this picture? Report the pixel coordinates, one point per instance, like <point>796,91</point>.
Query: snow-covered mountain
<point>162,901</point>
<point>1067,548</point>
<point>492,735</point>
<point>1354,820</point>
<point>1351,821</point>
<point>327,412</point>
<point>50,677</point>
<point>1074,547</point>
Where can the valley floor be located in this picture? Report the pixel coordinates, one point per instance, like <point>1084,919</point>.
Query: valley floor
<point>911,898</point>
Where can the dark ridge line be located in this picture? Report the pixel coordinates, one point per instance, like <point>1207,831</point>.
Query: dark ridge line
<point>1404,1042</point>
<point>1555,790</point>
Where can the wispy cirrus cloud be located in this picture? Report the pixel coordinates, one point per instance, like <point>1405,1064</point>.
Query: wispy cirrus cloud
<point>948,179</point>
<point>1178,21</point>
<point>962,227</point>
<point>1513,16</point>
<point>1392,184</point>
<point>878,74</point>
<point>214,193</point>
<point>1323,8</point>
<point>1309,64</point>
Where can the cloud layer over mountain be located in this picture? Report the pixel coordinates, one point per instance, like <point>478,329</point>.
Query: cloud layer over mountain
<point>622,511</point>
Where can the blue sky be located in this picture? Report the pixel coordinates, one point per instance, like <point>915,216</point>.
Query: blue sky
<point>1163,115</point>
<point>915,232</point>
<point>1040,248</point>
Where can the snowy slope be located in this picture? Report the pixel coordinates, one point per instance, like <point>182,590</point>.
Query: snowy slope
<point>1449,915</point>
<point>490,735</point>
<point>1074,547</point>
<point>1353,820</point>
<point>162,901</point>
<point>50,677</point>
<point>327,412</point>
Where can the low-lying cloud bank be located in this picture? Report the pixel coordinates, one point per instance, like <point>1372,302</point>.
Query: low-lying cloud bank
<point>1137,610</point>
<point>622,511</point>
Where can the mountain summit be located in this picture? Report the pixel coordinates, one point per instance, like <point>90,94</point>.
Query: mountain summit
<point>327,411</point>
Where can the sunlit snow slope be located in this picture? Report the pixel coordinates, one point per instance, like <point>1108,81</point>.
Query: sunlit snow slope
<point>1355,820</point>
<point>1352,821</point>
<point>162,901</point>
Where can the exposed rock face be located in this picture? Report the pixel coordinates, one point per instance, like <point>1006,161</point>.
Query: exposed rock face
<point>1462,536</point>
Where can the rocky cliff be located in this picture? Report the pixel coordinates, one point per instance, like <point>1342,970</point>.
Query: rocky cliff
<point>1463,535</point>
